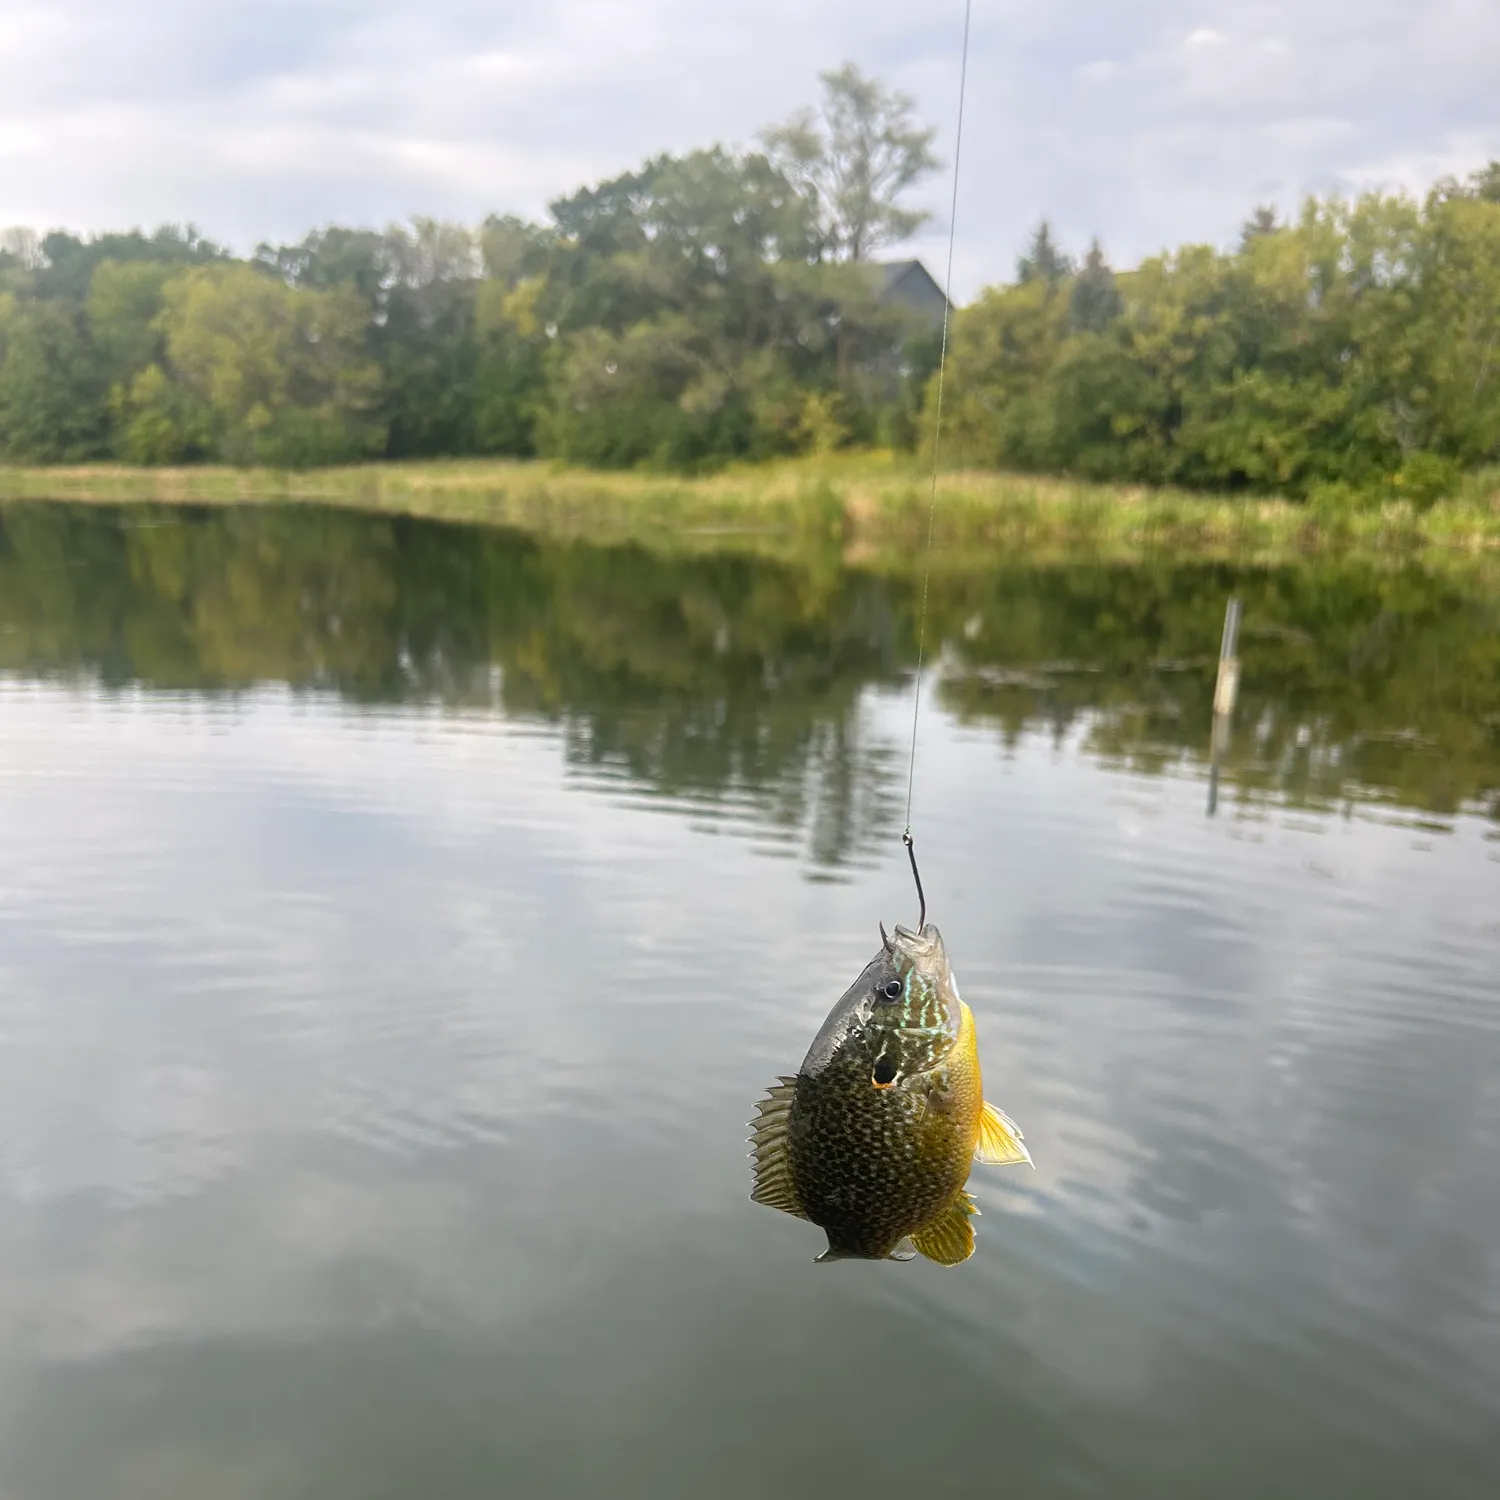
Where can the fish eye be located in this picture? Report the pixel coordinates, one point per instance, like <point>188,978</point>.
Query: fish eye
<point>884,1074</point>
<point>890,990</point>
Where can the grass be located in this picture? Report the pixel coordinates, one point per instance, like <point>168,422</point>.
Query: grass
<point>870,506</point>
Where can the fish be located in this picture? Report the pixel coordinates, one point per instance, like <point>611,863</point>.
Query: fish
<point>873,1137</point>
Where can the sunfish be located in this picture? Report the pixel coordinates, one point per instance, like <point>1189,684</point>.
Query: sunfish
<point>873,1139</point>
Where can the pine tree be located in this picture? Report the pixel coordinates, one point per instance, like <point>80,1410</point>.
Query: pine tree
<point>1095,299</point>
<point>1261,223</point>
<point>1043,260</point>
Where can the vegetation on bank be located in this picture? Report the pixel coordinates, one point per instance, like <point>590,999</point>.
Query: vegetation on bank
<point>725,307</point>
<point>871,501</point>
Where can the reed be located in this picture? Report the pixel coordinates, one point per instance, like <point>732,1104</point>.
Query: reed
<point>870,504</point>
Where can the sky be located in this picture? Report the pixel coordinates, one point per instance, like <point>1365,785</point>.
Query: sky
<point>1149,124</point>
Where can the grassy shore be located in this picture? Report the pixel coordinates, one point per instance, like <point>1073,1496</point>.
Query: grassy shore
<point>865,505</point>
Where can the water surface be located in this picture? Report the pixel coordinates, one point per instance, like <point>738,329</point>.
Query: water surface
<point>398,921</point>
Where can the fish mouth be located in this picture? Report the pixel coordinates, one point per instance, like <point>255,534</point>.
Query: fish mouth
<point>914,944</point>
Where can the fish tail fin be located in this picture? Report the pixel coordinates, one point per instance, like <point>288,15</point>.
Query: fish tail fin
<point>949,1239</point>
<point>1000,1142</point>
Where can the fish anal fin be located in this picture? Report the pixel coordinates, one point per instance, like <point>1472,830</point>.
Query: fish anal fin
<point>949,1239</point>
<point>1000,1142</point>
<point>772,1170</point>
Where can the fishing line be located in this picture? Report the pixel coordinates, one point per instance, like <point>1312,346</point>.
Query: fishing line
<point>937,438</point>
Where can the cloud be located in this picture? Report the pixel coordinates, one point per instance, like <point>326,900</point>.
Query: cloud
<point>1149,127</point>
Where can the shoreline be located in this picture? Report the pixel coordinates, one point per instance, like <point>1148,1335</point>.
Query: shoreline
<point>868,506</point>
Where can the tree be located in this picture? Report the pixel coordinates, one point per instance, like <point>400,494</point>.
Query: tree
<point>23,246</point>
<point>513,249</point>
<point>331,257</point>
<point>855,163</point>
<point>425,337</point>
<point>282,371</point>
<point>510,366</point>
<point>69,262</point>
<point>1043,261</point>
<point>1094,301</point>
<point>1261,223</point>
<point>124,302</point>
<point>1486,183</point>
<point>51,395</point>
<point>694,321</point>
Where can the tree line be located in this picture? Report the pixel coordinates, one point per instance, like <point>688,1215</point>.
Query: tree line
<point>1351,354</point>
<point>706,306</point>
<point>726,304</point>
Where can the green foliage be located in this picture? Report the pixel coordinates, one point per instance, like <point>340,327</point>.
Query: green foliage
<point>123,305</point>
<point>854,163</point>
<point>694,322</point>
<point>281,371</point>
<point>157,421</point>
<point>67,263</point>
<point>1043,261</point>
<point>509,366</point>
<point>51,391</point>
<point>1262,222</point>
<point>1094,301</point>
<point>1356,352</point>
<point>719,306</point>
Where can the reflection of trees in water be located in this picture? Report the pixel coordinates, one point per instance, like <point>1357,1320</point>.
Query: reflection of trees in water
<point>720,681</point>
<point>822,779</point>
<point>1359,678</point>
<point>735,684</point>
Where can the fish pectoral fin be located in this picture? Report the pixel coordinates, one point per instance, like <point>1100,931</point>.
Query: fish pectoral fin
<point>949,1240</point>
<point>772,1171</point>
<point>1000,1142</point>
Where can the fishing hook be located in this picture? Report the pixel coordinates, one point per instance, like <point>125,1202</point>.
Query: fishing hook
<point>911,851</point>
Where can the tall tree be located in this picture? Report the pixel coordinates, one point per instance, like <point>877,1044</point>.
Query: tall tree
<point>426,338</point>
<point>1486,183</point>
<point>1095,299</point>
<point>855,161</point>
<point>1261,223</point>
<point>1043,260</point>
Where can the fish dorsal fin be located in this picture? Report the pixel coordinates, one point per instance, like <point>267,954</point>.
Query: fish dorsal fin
<point>772,1170</point>
<point>949,1240</point>
<point>999,1143</point>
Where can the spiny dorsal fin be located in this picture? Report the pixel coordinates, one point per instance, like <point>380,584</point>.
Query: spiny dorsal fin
<point>999,1143</point>
<point>772,1171</point>
<point>949,1240</point>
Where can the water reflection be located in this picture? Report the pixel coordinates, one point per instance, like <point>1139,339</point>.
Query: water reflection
<point>373,1073</point>
<point>731,680</point>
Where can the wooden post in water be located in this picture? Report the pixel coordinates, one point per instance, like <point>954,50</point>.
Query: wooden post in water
<point>1226,690</point>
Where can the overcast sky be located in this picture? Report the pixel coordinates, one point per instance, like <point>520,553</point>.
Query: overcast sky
<point>1148,124</point>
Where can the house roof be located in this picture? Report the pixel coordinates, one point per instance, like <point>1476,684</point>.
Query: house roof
<point>893,272</point>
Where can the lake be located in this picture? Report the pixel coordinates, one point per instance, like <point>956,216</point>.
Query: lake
<point>399,920</point>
